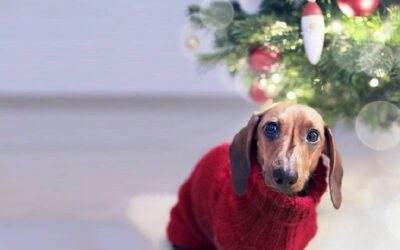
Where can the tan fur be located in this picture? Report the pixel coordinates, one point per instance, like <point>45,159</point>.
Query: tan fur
<point>289,151</point>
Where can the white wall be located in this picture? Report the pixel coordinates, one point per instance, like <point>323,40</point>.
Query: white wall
<point>97,47</point>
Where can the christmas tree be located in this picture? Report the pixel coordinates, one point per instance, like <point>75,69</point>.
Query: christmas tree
<point>336,56</point>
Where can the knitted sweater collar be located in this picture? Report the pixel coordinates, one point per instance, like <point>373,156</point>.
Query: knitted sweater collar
<point>281,207</point>
<point>265,219</point>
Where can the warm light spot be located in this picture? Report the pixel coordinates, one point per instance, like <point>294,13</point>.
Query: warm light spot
<point>374,82</point>
<point>263,82</point>
<point>291,95</point>
<point>388,28</point>
<point>193,42</point>
<point>336,27</point>
<point>276,78</point>
<point>381,36</point>
<point>380,73</point>
<point>385,33</point>
<point>271,88</point>
<point>280,24</point>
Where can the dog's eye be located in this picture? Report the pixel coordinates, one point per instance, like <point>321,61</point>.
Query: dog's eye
<point>312,136</point>
<point>272,130</point>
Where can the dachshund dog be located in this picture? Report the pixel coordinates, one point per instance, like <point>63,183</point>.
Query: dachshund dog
<point>260,191</point>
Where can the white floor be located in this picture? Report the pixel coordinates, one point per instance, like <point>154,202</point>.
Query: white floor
<point>69,168</point>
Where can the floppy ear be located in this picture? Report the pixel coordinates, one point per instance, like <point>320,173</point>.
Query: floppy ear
<point>336,169</point>
<point>240,155</point>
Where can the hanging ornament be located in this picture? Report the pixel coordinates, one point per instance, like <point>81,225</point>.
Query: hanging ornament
<point>250,6</point>
<point>313,30</point>
<point>353,8</point>
<point>262,59</point>
<point>257,92</point>
<point>193,42</point>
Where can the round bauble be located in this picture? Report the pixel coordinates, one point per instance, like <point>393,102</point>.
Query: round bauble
<point>353,8</point>
<point>257,93</point>
<point>262,59</point>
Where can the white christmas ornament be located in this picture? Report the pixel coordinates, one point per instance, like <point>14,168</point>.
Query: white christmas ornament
<point>313,30</point>
<point>250,6</point>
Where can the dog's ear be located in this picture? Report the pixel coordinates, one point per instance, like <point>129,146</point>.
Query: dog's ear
<point>240,155</point>
<point>335,170</point>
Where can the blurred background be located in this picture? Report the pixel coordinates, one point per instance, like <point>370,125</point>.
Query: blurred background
<point>103,107</point>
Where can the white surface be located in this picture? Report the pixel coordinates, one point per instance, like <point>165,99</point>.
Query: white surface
<point>70,167</point>
<point>149,213</point>
<point>97,47</point>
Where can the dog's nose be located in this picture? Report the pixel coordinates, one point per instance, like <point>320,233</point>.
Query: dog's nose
<point>284,178</point>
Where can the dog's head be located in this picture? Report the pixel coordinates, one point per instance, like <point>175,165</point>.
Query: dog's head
<point>289,140</point>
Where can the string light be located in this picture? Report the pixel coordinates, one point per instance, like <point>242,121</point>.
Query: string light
<point>278,28</point>
<point>385,33</point>
<point>359,19</point>
<point>271,90</point>
<point>263,82</point>
<point>291,95</point>
<point>193,42</point>
<point>336,27</point>
<point>380,36</point>
<point>344,49</point>
<point>316,81</point>
<point>388,28</point>
<point>380,72</point>
<point>374,83</point>
<point>276,78</point>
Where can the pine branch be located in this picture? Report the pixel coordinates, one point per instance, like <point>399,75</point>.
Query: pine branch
<point>360,50</point>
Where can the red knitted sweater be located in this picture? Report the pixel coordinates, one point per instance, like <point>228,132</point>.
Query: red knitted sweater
<point>209,215</point>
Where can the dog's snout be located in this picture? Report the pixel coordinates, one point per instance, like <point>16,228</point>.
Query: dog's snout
<point>284,178</point>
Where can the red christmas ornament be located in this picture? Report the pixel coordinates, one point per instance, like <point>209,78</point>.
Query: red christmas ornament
<point>257,93</point>
<point>262,59</point>
<point>358,7</point>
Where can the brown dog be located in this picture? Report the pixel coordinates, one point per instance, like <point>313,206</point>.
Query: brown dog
<point>290,140</point>
<point>281,148</point>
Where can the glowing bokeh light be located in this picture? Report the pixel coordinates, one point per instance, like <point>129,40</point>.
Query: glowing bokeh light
<point>291,95</point>
<point>374,83</point>
<point>336,27</point>
<point>276,78</point>
<point>194,42</point>
<point>216,14</point>
<point>378,125</point>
